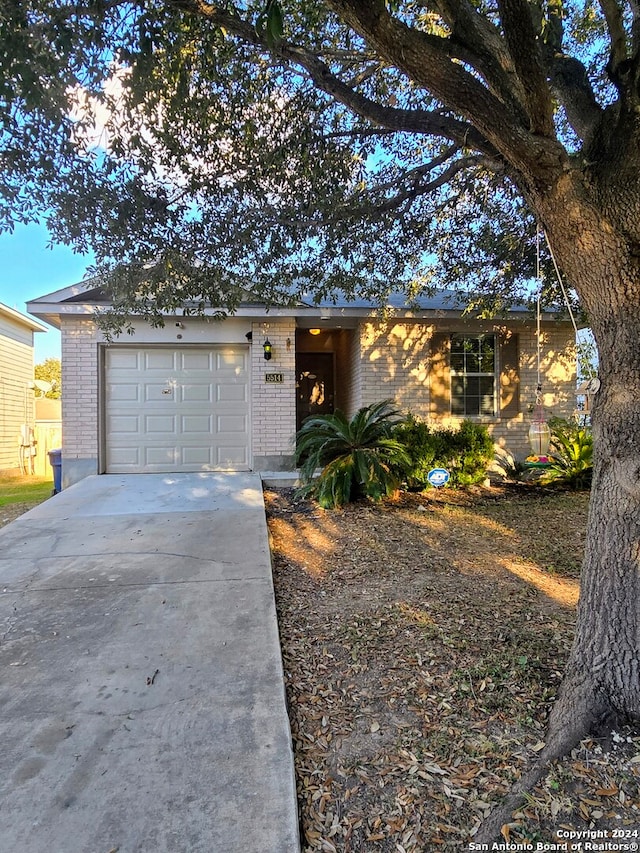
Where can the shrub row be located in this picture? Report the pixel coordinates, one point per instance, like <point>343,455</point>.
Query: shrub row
<point>378,449</point>
<point>375,451</point>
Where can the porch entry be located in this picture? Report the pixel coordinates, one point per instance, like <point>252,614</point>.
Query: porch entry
<point>314,385</point>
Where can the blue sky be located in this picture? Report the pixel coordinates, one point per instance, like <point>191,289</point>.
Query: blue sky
<point>28,269</point>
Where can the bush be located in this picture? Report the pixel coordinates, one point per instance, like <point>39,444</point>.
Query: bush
<point>357,458</point>
<point>466,452</point>
<point>571,454</point>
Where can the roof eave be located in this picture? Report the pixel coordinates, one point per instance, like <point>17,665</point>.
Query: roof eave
<point>22,319</point>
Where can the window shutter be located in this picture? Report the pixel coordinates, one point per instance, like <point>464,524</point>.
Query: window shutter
<point>440,375</point>
<point>509,375</point>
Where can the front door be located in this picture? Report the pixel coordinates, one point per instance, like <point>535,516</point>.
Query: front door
<point>314,381</point>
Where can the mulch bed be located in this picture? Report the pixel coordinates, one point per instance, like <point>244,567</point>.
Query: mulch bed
<point>423,641</point>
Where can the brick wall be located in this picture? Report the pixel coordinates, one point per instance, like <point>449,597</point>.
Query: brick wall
<point>273,406</point>
<point>393,361</point>
<point>557,377</point>
<point>80,398</point>
<point>394,364</point>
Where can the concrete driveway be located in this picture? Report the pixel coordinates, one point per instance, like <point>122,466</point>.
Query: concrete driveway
<point>142,704</point>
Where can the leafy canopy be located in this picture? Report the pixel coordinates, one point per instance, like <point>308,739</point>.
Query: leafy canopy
<point>50,370</point>
<point>296,148</point>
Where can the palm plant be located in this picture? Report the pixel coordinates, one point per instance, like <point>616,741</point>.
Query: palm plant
<point>571,454</point>
<point>357,458</point>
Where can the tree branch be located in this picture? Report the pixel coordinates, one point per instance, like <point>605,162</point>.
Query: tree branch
<point>615,25</point>
<point>409,193</point>
<point>532,149</point>
<point>412,120</point>
<point>482,38</point>
<point>523,46</point>
<point>635,26</point>
<point>570,82</point>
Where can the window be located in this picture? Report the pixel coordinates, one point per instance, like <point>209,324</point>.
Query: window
<point>473,375</point>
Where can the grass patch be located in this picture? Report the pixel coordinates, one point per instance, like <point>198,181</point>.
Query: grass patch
<point>15,488</point>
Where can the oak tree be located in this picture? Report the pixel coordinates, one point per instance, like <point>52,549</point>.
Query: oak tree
<point>200,148</point>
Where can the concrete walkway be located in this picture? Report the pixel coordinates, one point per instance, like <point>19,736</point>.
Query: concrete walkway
<point>142,703</point>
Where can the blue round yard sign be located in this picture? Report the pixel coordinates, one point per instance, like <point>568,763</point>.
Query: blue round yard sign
<point>438,477</point>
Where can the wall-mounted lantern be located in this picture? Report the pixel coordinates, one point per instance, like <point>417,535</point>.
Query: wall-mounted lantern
<point>268,350</point>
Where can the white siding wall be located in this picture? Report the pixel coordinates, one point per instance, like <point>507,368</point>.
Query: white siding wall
<point>16,399</point>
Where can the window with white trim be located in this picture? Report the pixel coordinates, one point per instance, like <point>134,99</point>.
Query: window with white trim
<point>473,375</point>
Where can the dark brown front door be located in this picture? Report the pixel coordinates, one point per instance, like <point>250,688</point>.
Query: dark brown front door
<point>314,376</point>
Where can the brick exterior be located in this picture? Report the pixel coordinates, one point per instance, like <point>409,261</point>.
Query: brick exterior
<point>394,362</point>
<point>80,432</point>
<point>273,406</point>
<point>374,361</point>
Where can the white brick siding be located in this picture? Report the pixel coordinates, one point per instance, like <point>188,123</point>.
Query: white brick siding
<point>394,359</point>
<point>80,340</point>
<point>375,361</point>
<point>273,405</point>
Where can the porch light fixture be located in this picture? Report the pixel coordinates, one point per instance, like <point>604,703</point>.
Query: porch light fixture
<point>268,350</point>
<point>314,331</point>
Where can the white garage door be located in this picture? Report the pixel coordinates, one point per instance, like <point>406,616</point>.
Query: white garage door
<point>170,410</point>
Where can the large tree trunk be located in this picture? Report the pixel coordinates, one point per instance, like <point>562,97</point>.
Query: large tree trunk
<point>602,679</point>
<point>601,685</point>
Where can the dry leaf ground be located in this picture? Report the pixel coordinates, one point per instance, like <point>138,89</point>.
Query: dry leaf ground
<point>423,641</point>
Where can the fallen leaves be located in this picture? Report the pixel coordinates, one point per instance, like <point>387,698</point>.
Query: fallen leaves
<point>420,672</point>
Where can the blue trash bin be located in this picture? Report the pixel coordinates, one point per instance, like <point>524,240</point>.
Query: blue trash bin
<point>55,460</point>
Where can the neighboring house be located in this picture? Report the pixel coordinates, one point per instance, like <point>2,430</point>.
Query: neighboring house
<point>16,388</point>
<point>198,394</point>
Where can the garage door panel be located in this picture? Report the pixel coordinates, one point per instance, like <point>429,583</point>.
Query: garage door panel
<point>126,456</point>
<point>202,456</point>
<point>232,457</point>
<point>231,393</point>
<point>159,391</point>
<point>127,425</point>
<point>229,360</point>
<point>125,391</point>
<point>159,360</point>
<point>232,424</point>
<point>176,410</point>
<point>160,424</point>
<point>196,393</point>
<point>125,358</point>
<point>193,360</point>
<point>193,424</point>
<point>160,456</point>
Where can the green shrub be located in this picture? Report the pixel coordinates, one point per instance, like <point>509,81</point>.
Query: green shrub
<point>357,458</point>
<point>466,452</point>
<point>571,454</point>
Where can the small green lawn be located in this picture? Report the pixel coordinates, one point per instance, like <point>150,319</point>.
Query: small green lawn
<point>15,488</point>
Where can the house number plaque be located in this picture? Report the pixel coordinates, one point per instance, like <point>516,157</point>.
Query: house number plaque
<point>274,377</point>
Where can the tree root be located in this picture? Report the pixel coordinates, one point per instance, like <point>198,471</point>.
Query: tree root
<point>566,729</point>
